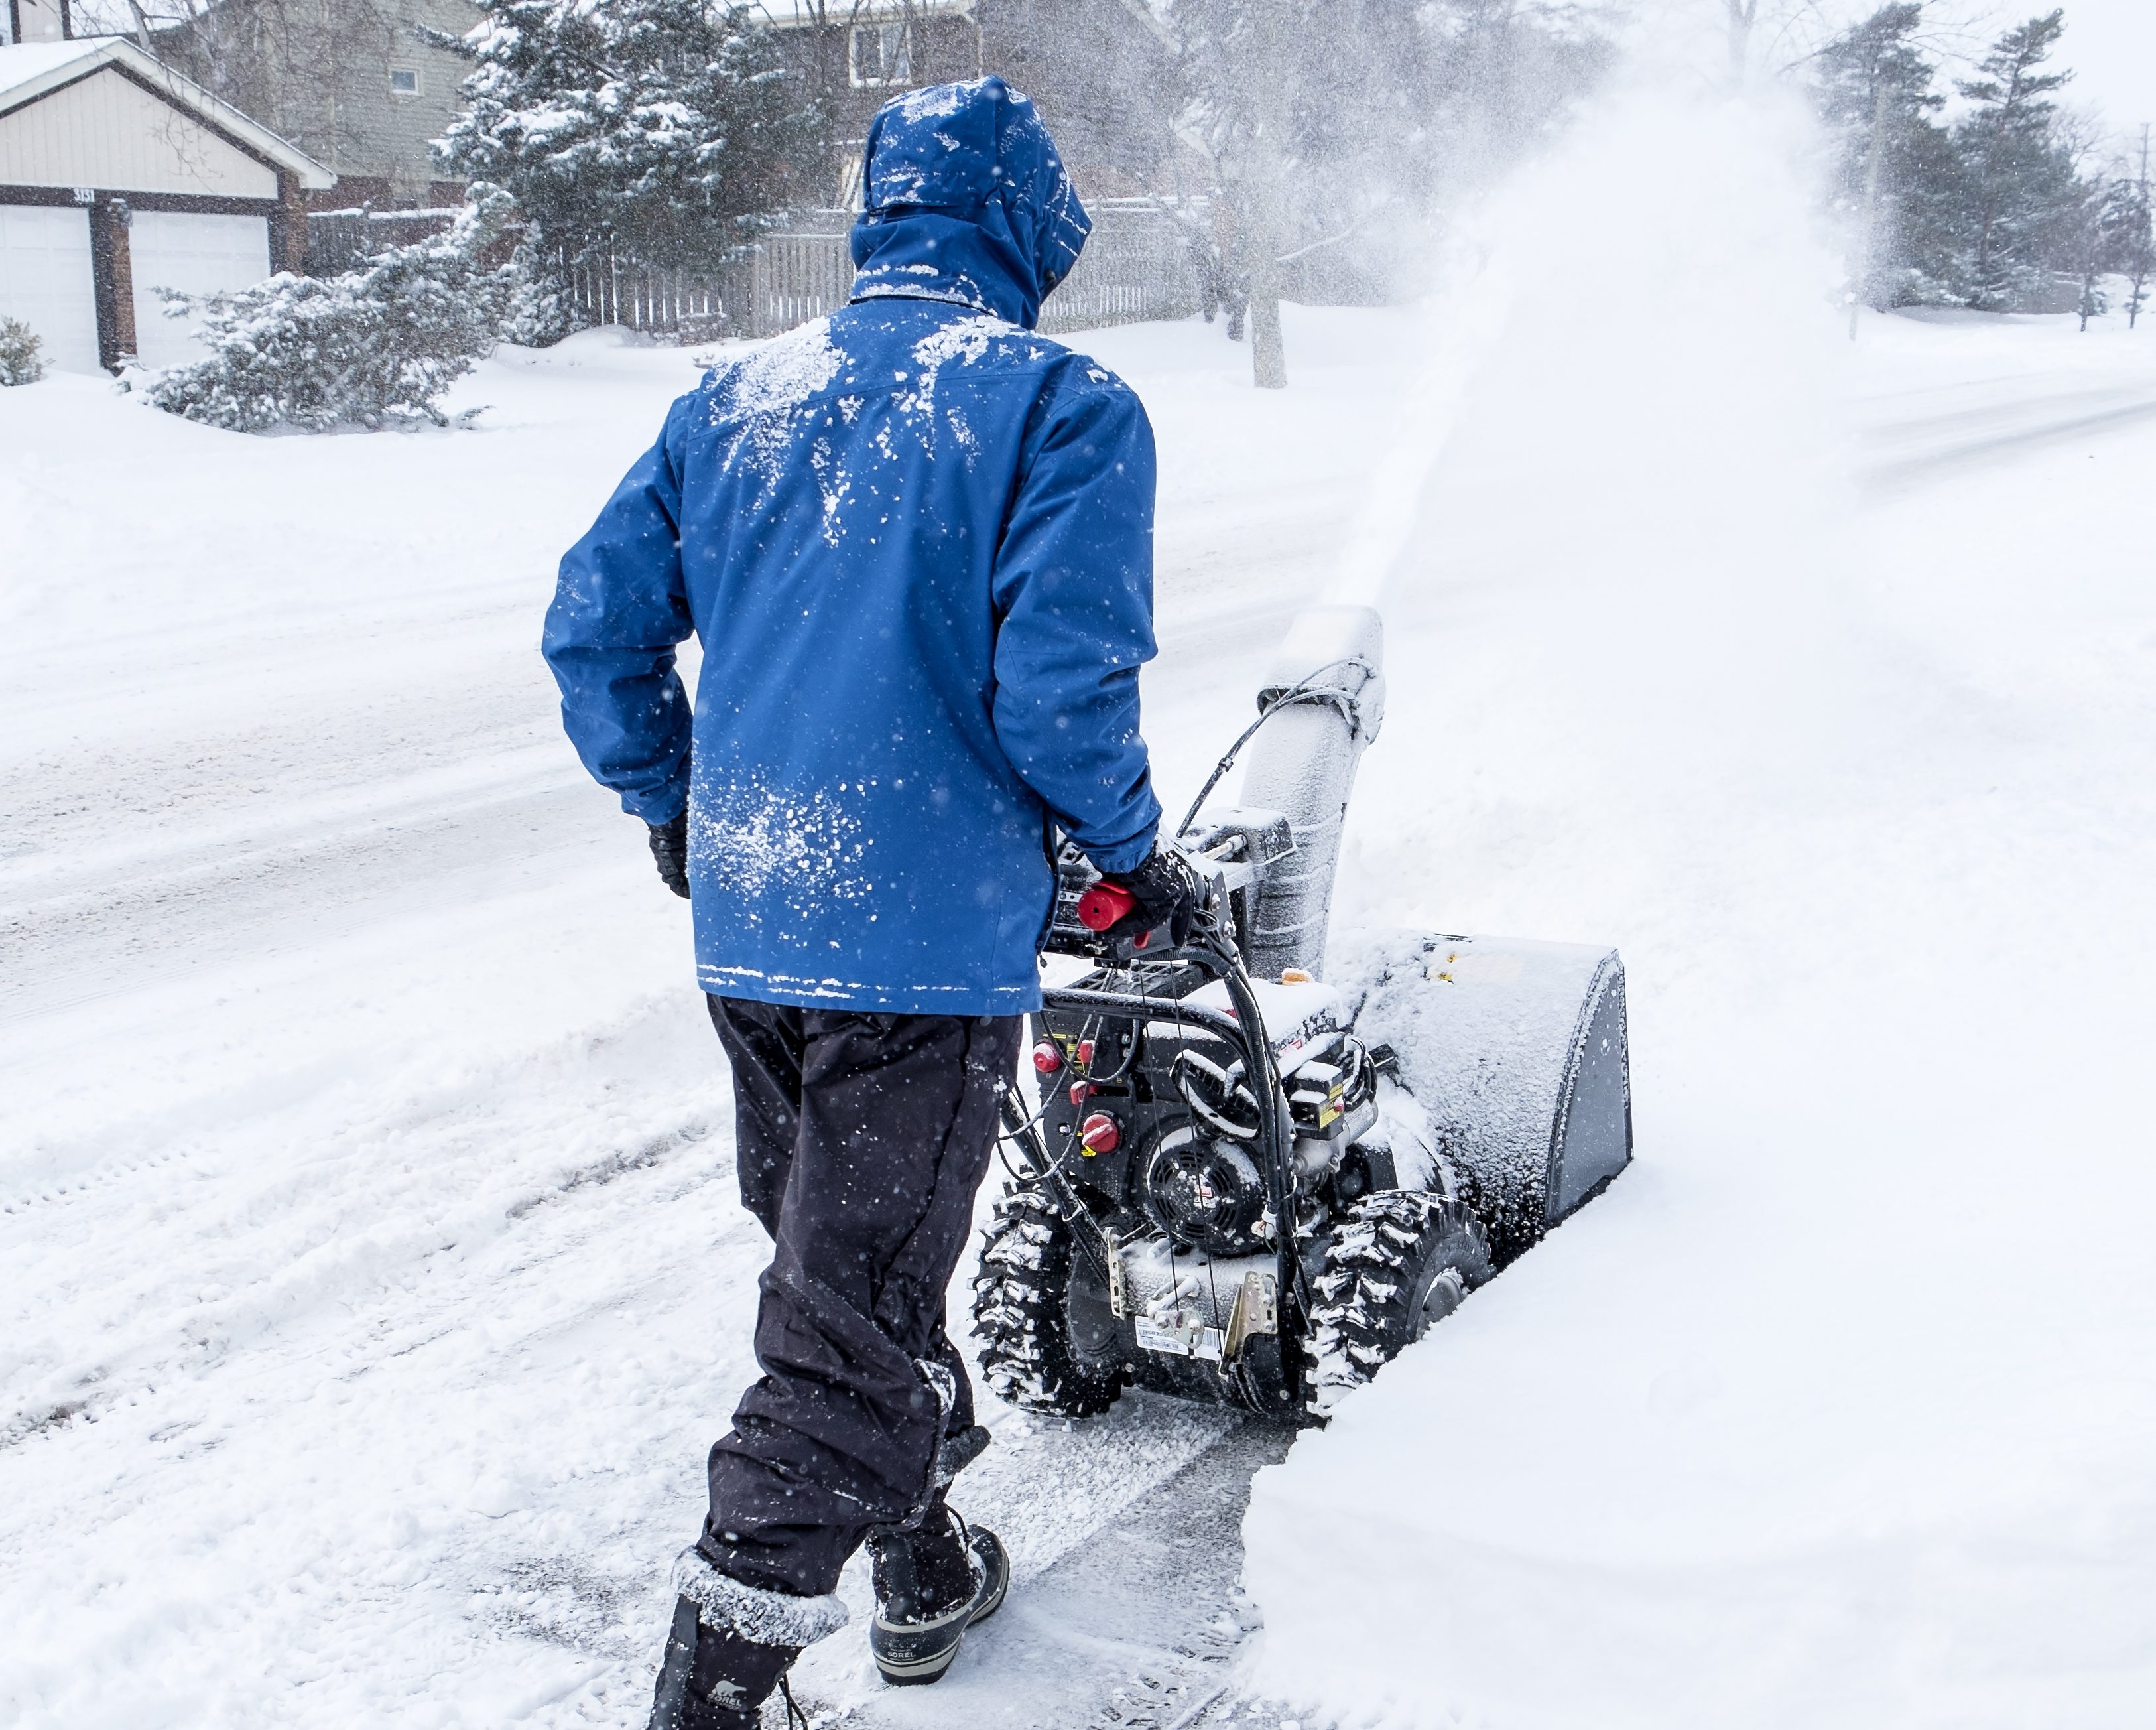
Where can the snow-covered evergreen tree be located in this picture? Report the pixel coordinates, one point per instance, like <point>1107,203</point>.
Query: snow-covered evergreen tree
<point>2127,226</point>
<point>1896,178</point>
<point>380,343</point>
<point>2026,200</point>
<point>659,129</point>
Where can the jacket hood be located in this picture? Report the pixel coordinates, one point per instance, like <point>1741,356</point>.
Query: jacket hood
<point>967,201</point>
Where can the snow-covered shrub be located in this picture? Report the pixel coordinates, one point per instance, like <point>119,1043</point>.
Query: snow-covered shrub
<point>380,343</point>
<point>22,356</point>
<point>540,310</point>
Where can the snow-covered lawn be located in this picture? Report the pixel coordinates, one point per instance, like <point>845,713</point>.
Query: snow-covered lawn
<point>373,1281</point>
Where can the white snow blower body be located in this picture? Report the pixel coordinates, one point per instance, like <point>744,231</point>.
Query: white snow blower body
<point>1242,1183</point>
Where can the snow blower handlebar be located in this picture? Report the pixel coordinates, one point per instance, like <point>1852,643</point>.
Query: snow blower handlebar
<point>1102,905</point>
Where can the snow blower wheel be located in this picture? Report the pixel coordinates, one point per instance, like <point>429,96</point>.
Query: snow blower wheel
<point>1237,1182</point>
<point>1049,1341</point>
<point>1401,1261</point>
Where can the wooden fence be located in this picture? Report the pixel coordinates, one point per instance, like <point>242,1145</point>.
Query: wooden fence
<point>338,240</point>
<point>1136,266</point>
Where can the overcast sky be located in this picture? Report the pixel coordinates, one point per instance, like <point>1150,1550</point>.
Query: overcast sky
<point>2111,45</point>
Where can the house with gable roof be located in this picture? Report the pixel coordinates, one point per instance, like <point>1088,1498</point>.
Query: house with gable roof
<point>117,177</point>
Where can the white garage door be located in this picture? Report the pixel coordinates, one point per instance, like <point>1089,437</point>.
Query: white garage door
<point>45,280</point>
<point>197,255</point>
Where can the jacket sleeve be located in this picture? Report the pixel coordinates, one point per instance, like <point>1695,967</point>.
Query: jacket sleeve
<point>1073,591</point>
<point>619,609</point>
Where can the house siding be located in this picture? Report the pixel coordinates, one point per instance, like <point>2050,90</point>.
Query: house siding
<point>107,131</point>
<point>337,104</point>
<point>388,138</point>
<point>1105,82</point>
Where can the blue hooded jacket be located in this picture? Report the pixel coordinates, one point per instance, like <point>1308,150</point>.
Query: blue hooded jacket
<point>916,543</point>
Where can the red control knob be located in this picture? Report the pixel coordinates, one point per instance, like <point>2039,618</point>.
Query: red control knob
<point>1100,1133</point>
<point>1046,1058</point>
<point>1079,1092</point>
<point>1086,1054</point>
<point>1102,905</point>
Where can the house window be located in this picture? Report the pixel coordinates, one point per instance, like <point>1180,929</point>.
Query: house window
<point>879,54</point>
<point>403,81</point>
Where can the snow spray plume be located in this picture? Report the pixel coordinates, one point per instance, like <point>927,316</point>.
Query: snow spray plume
<point>1644,455</point>
<point>1342,131</point>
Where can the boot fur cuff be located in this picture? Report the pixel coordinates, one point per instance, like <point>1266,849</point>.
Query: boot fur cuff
<point>764,1619</point>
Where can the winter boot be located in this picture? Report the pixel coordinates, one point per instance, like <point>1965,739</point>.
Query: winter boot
<point>730,1646</point>
<point>931,1586</point>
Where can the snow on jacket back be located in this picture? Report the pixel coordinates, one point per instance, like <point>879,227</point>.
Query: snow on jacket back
<point>916,543</point>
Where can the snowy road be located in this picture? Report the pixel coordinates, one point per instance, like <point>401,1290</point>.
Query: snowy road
<point>1932,432</point>
<point>374,1280</point>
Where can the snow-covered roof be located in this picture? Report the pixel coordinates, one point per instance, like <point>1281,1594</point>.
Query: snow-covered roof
<point>32,69</point>
<point>29,61</point>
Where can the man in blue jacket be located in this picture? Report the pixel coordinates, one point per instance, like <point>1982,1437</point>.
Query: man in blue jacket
<point>915,543</point>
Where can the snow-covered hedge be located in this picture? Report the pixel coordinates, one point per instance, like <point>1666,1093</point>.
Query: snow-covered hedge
<point>378,344</point>
<point>21,357</point>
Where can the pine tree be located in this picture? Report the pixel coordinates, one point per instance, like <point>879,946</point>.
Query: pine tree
<point>1896,178</point>
<point>2024,198</point>
<point>662,130</point>
<point>2128,230</point>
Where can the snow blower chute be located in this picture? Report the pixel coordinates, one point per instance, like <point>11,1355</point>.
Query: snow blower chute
<point>1246,1182</point>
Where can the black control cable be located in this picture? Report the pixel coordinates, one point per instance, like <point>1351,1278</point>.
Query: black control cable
<point>1303,692</point>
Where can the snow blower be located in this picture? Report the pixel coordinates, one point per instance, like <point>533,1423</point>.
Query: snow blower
<point>1244,1183</point>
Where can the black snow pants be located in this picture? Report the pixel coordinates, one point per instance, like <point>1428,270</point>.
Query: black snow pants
<point>862,1140</point>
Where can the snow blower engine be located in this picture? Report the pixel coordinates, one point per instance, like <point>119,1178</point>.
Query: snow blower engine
<point>1249,1180</point>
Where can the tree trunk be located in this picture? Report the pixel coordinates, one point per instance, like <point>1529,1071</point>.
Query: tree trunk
<point>2146,240</point>
<point>1268,353</point>
<point>1867,251</point>
<point>1742,15</point>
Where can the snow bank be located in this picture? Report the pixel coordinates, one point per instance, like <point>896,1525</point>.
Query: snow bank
<point>1837,1408</point>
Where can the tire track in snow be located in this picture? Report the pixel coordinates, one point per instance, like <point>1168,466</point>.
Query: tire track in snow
<point>315,1211</point>
<point>1940,446</point>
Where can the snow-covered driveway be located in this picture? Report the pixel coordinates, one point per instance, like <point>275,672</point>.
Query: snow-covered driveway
<point>374,1278</point>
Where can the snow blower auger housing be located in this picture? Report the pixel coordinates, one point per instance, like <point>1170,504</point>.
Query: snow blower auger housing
<point>1246,1183</point>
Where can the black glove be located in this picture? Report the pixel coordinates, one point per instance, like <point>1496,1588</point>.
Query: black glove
<point>669,852</point>
<point>1167,892</point>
